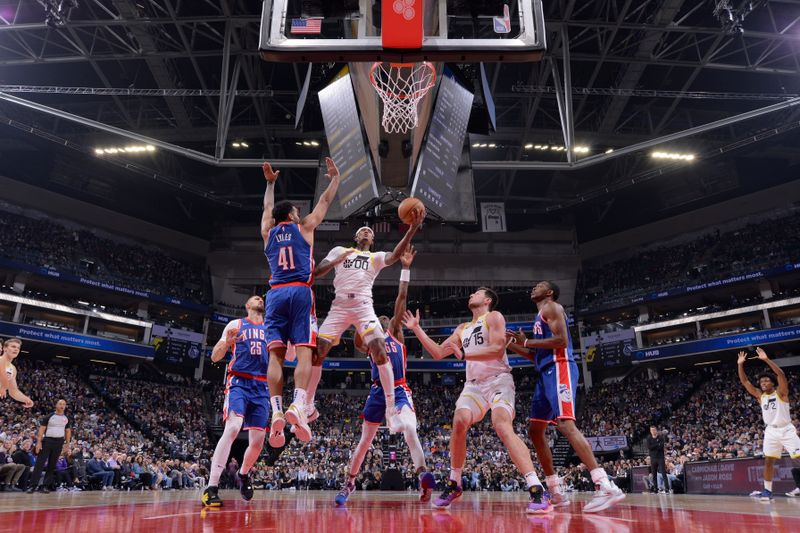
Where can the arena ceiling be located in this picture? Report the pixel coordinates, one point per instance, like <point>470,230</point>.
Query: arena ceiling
<point>630,71</point>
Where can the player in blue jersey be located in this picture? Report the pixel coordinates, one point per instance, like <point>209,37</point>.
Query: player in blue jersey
<point>375,408</point>
<point>553,401</point>
<point>246,396</point>
<point>289,247</point>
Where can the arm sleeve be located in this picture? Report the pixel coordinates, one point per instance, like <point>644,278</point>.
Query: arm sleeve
<point>380,260</point>
<point>335,252</point>
<point>233,324</point>
<point>69,423</point>
<point>45,420</point>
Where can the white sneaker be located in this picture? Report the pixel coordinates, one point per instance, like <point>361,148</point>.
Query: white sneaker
<point>559,499</point>
<point>276,437</point>
<point>604,498</point>
<point>311,412</point>
<point>393,421</point>
<point>794,494</point>
<point>296,415</point>
<point>755,494</point>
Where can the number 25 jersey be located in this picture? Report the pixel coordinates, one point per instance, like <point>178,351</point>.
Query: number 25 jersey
<point>250,355</point>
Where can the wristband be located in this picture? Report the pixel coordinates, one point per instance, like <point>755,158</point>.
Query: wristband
<point>405,275</point>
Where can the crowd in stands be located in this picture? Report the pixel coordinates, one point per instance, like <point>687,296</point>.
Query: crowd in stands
<point>714,255</point>
<point>101,258</point>
<point>107,450</point>
<point>148,431</point>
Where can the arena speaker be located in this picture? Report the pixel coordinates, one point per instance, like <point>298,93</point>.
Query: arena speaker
<point>392,480</point>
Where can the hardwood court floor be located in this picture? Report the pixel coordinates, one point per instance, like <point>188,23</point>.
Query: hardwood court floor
<point>384,512</point>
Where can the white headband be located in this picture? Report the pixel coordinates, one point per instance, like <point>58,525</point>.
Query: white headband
<point>365,227</point>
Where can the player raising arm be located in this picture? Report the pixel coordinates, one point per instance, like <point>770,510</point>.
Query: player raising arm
<point>290,314</point>
<point>489,386</point>
<point>779,433</point>
<point>374,410</point>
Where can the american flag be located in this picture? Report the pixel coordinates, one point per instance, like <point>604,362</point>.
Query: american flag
<point>381,227</point>
<point>313,26</point>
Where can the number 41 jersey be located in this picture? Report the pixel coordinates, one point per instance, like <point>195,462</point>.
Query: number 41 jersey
<point>291,258</point>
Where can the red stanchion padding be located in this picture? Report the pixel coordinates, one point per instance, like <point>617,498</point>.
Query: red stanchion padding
<point>402,23</point>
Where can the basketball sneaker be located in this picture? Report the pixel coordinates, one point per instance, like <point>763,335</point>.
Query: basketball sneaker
<point>296,415</point>
<point>311,412</point>
<point>604,497</point>
<point>245,486</point>
<point>559,499</point>
<point>426,485</point>
<point>766,495</point>
<point>540,502</point>
<point>210,497</point>
<point>276,437</point>
<point>347,489</point>
<point>794,494</point>
<point>451,493</point>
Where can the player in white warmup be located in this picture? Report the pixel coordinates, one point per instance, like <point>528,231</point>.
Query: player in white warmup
<point>353,306</point>
<point>780,432</point>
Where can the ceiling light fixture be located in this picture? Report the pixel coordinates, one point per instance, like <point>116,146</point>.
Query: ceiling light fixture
<point>675,156</point>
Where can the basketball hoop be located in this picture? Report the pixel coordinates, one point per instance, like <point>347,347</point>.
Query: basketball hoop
<point>401,86</point>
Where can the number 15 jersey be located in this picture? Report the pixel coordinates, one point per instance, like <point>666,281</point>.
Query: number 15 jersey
<point>475,337</point>
<point>291,258</point>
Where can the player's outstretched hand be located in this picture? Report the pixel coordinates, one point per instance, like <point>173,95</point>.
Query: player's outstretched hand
<point>516,337</point>
<point>742,358</point>
<point>417,218</point>
<point>3,392</point>
<point>27,404</point>
<point>408,257</point>
<point>269,174</point>
<point>762,354</point>
<point>332,171</point>
<point>411,321</point>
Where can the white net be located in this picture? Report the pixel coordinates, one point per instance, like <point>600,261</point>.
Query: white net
<point>401,86</point>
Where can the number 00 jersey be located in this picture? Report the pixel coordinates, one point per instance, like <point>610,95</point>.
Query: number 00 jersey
<point>775,411</point>
<point>475,337</point>
<point>291,258</point>
<point>357,273</point>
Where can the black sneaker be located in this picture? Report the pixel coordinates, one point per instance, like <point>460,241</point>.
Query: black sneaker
<point>30,490</point>
<point>210,497</point>
<point>44,490</point>
<point>245,486</point>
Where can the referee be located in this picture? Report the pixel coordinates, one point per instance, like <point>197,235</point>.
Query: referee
<point>54,435</point>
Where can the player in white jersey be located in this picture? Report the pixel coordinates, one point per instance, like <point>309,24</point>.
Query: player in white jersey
<point>780,432</point>
<point>489,386</point>
<point>8,384</point>
<point>353,306</point>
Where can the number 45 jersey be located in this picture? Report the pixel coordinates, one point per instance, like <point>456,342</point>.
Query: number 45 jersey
<point>474,338</point>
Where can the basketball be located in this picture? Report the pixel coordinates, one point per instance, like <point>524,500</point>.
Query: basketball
<point>407,207</point>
